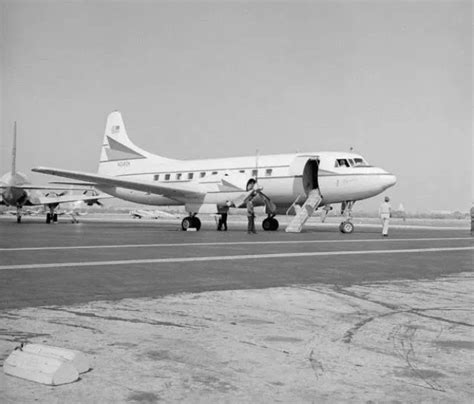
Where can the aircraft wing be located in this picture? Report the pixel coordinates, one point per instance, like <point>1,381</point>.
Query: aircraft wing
<point>31,187</point>
<point>178,192</point>
<point>46,200</point>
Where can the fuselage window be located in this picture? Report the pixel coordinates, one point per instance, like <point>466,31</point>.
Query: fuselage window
<point>190,176</point>
<point>178,176</point>
<point>167,177</point>
<point>242,171</point>
<point>202,174</point>
<point>156,177</point>
<point>254,173</point>
<point>268,172</point>
<point>214,173</point>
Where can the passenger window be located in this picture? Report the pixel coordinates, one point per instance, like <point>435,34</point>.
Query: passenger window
<point>178,176</point>
<point>242,171</point>
<point>254,173</point>
<point>268,172</point>
<point>167,177</point>
<point>156,177</point>
<point>190,176</point>
<point>214,173</point>
<point>202,174</point>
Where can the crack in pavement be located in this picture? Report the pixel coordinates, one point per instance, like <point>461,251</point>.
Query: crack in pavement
<point>114,318</point>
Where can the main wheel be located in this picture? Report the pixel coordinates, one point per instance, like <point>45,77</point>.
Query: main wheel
<point>55,217</point>
<point>48,218</point>
<point>274,224</point>
<point>186,223</point>
<point>267,224</point>
<point>196,223</point>
<point>346,227</point>
<point>18,219</point>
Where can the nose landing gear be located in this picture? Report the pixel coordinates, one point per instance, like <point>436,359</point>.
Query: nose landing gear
<point>347,226</point>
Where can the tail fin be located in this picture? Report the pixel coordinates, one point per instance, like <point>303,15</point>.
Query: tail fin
<point>117,147</point>
<point>14,150</point>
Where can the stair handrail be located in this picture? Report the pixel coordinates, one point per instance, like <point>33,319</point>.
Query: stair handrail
<point>294,203</point>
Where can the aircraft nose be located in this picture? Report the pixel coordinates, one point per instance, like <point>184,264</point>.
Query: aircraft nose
<point>389,181</point>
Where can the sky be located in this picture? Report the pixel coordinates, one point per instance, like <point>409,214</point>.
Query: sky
<point>391,79</point>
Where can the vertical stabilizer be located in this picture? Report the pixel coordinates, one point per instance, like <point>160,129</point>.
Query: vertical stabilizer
<point>117,147</point>
<point>14,150</point>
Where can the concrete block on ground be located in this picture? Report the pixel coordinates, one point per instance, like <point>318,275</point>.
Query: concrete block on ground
<point>77,358</point>
<point>40,368</point>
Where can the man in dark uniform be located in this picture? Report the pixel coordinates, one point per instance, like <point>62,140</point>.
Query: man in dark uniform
<point>222,224</point>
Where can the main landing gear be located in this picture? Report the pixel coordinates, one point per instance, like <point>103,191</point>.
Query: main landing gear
<point>270,224</point>
<point>52,216</point>
<point>18,214</point>
<point>191,222</point>
<point>347,226</point>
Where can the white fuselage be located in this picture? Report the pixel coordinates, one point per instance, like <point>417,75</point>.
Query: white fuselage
<point>283,177</point>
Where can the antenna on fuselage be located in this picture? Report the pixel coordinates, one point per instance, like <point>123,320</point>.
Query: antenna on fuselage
<point>257,155</point>
<point>14,149</point>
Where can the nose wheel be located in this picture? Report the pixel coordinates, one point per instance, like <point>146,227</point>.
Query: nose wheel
<point>346,227</point>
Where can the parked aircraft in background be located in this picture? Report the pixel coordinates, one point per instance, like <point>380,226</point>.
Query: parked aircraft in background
<point>301,182</point>
<point>151,214</point>
<point>18,192</point>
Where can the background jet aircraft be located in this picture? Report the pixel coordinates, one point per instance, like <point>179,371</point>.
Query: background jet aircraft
<point>207,186</point>
<point>18,192</point>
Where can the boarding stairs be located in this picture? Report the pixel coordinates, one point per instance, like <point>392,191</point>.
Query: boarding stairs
<point>303,213</point>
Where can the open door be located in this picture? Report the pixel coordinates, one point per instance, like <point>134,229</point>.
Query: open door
<point>310,175</point>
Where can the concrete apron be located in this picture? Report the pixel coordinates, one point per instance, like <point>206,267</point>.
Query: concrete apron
<point>409,341</point>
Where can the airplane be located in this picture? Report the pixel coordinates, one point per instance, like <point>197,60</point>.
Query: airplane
<point>16,191</point>
<point>151,214</point>
<point>297,182</point>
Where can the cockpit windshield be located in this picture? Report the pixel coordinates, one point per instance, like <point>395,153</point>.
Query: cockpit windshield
<point>351,162</point>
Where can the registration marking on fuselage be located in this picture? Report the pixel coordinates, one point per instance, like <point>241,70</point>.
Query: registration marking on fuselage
<point>228,258</point>
<point>229,243</point>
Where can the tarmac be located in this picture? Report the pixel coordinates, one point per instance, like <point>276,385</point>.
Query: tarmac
<point>172,316</point>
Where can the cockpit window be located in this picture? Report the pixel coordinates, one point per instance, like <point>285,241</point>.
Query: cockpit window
<point>360,162</point>
<point>341,163</point>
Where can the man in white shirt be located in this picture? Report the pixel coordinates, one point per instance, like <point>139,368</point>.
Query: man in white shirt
<point>385,210</point>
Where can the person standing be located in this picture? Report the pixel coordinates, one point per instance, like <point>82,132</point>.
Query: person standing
<point>222,224</point>
<point>385,211</point>
<point>250,217</point>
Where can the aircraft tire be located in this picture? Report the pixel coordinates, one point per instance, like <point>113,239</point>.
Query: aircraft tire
<point>18,219</point>
<point>267,224</point>
<point>274,224</point>
<point>186,223</point>
<point>196,223</point>
<point>55,217</point>
<point>346,227</point>
<point>48,218</point>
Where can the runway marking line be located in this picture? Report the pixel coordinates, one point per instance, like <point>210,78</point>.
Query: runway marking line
<point>224,243</point>
<point>229,258</point>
